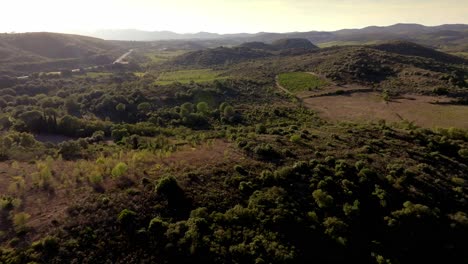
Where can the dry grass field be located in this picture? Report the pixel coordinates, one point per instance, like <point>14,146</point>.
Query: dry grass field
<point>425,111</point>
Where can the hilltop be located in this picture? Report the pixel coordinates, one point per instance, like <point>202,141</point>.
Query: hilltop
<point>413,49</point>
<point>400,66</point>
<point>218,56</point>
<point>243,52</point>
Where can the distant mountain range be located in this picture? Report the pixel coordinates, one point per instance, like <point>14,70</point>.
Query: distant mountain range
<point>26,52</point>
<point>453,37</point>
<point>140,35</point>
<point>397,29</point>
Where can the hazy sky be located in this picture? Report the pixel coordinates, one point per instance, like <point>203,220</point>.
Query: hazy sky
<point>224,16</point>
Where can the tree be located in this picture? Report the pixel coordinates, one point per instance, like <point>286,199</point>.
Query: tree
<point>33,120</point>
<point>144,107</point>
<point>69,125</point>
<point>70,149</point>
<point>98,136</point>
<point>169,188</point>
<point>72,107</point>
<point>157,228</point>
<point>186,109</point>
<point>119,133</point>
<point>203,108</point>
<point>229,112</point>
<point>126,219</point>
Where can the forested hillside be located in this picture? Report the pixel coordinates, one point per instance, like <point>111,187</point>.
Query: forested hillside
<point>227,155</point>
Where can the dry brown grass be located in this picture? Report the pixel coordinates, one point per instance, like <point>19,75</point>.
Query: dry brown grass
<point>70,179</point>
<point>365,107</point>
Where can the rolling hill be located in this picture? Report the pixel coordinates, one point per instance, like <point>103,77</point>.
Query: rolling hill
<point>218,56</point>
<point>243,52</point>
<point>397,66</point>
<point>41,51</point>
<point>412,49</point>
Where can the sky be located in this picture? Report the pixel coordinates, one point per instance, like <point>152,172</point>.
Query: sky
<point>223,16</point>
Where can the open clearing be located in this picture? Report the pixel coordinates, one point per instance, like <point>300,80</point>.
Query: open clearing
<point>186,76</point>
<point>158,57</point>
<point>300,81</point>
<point>422,110</point>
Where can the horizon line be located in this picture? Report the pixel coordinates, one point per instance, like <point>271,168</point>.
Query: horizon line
<point>78,31</point>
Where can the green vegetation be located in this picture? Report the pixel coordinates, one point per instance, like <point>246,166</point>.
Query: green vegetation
<point>95,75</point>
<point>189,165</point>
<point>300,81</point>
<point>158,57</point>
<point>345,43</point>
<point>187,76</point>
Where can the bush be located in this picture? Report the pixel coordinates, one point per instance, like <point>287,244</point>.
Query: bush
<point>119,134</point>
<point>463,153</point>
<point>203,108</point>
<point>49,245</point>
<point>322,198</point>
<point>119,170</point>
<point>167,186</point>
<point>126,219</point>
<point>157,227</point>
<point>334,227</point>
<point>98,136</point>
<point>70,149</point>
<point>20,220</point>
<point>260,129</point>
<point>295,139</point>
<point>239,169</point>
<point>266,151</point>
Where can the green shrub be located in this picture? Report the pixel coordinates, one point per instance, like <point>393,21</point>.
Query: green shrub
<point>351,209</point>
<point>246,187</point>
<point>458,181</point>
<point>239,169</point>
<point>295,139</point>
<point>170,189</point>
<point>20,220</point>
<point>6,203</point>
<point>266,151</point>
<point>260,129</point>
<point>335,228</point>
<point>463,153</point>
<point>70,149</point>
<point>322,198</point>
<point>366,174</point>
<point>167,185</point>
<point>49,245</point>
<point>157,227</point>
<point>126,219</point>
<point>119,170</point>
<point>120,107</point>
<point>119,134</point>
